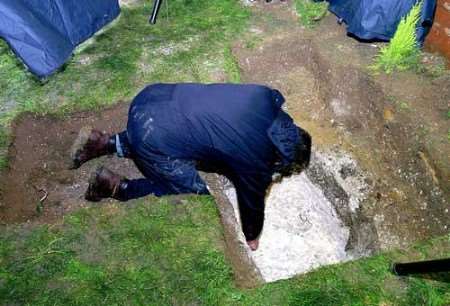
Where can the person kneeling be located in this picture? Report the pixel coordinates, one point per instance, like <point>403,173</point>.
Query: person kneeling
<point>174,130</point>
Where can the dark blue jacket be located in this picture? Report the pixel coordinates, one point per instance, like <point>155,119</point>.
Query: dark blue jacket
<point>234,130</point>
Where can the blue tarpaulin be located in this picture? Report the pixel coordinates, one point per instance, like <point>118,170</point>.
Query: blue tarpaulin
<point>378,19</point>
<point>44,33</point>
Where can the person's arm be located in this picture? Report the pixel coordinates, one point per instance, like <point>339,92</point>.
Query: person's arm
<point>251,192</point>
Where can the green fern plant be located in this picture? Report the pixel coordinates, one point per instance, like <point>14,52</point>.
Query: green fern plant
<point>403,51</point>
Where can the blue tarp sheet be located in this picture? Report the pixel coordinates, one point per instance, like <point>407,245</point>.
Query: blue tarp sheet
<point>44,33</point>
<point>378,19</point>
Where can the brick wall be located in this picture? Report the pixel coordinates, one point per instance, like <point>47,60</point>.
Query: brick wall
<point>438,40</point>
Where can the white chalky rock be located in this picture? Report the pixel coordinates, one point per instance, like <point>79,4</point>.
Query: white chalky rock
<point>301,231</point>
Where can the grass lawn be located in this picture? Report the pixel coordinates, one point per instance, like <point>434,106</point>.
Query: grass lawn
<point>162,252</point>
<point>310,12</point>
<point>159,251</point>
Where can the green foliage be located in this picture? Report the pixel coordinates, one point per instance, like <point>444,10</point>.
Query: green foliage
<point>403,51</point>
<point>3,161</point>
<point>427,293</point>
<point>310,12</point>
<point>157,252</point>
<point>4,140</point>
<point>404,105</point>
<point>231,66</point>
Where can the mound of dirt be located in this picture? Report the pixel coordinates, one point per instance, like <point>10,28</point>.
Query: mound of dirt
<point>38,182</point>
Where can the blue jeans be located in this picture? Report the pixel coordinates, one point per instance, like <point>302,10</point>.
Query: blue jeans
<point>162,177</point>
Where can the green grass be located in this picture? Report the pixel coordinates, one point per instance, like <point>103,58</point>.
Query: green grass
<point>125,57</point>
<point>4,141</point>
<point>156,252</point>
<point>402,53</point>
<point>232,66</point>
<point>310,12</point>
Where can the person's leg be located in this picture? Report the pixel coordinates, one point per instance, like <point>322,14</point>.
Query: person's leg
<point>121,145</point>
<point>103,183</point>
<point>158,180</point>
<point>92,143</point>
<point>163,175</point>
<point>134,189</point>
<point>138,188</point>
<point>107,184</point>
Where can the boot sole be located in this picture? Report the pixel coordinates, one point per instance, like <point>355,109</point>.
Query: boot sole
<point>77,147</point>
<point>92,185</point>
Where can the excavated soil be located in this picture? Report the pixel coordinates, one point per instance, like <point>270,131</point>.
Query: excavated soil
<point>39,165</point>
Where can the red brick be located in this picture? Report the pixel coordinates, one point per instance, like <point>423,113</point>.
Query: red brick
<point>438,40</point>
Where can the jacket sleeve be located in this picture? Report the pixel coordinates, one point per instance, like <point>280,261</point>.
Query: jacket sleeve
<point>251,192</point>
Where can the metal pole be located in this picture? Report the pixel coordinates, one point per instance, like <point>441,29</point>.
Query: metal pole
<point>421,267</point>
<point>156,7</point>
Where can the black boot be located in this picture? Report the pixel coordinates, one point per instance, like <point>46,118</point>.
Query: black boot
<point>90,143</point>
<point>104,184</point>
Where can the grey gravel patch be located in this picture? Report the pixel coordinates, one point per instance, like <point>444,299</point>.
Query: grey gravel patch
<point>340,107</point>
<point>174,47</point>
<point>8,106</point>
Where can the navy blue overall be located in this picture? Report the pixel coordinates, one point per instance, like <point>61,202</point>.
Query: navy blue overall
<point>233,130</point>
